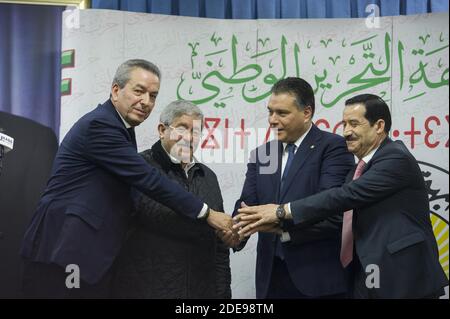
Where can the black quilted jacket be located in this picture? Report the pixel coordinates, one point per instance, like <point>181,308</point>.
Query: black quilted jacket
<point>168,255</point>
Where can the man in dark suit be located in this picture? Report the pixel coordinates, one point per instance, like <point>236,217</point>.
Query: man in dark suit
<point>388,240</point>
<point>292,264</point>
<point>82,217</point>
<point>35,147</point>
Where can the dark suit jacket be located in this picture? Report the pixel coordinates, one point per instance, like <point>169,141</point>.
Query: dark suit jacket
<point>312,256</point>
<point>391,222</point>
<point>26,170</point>
<point>82,216</point>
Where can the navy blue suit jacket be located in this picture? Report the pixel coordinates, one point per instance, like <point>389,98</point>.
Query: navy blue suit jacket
<point>82,216</point>
<point>391,222</point>
<point>312,256</point>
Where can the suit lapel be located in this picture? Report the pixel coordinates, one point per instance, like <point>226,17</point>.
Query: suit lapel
<point>350,174</point>
<point>368,165</point>
<point>112,110</point>
<point>307,147</point>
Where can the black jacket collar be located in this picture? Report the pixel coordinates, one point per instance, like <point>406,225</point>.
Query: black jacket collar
<point>163,159</point>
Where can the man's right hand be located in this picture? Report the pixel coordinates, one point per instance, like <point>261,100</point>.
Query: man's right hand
<point>219,221</point>
<point>229,238</point>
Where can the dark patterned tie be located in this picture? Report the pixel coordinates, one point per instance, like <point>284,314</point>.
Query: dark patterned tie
<point>133,136</point>
<point>290,148</point>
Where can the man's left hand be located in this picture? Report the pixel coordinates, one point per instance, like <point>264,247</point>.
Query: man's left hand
<point>252,219</point>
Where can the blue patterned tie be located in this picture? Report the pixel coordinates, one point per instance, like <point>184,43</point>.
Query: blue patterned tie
<point>291,153</point>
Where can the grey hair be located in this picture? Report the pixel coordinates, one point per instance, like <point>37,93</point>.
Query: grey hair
<point>177,109</point>
<point>122,75</point>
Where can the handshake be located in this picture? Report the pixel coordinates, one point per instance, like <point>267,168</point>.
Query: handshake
<point>249,220</point>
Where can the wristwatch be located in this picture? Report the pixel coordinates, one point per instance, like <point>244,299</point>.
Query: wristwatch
<point>280,212</point>
<point>208,210</point>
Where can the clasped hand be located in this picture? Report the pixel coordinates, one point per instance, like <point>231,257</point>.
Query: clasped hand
<point>252,219</point>
<point>223,224</point>
<point>249,220</point>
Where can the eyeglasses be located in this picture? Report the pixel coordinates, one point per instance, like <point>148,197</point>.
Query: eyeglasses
<point>183,131</point>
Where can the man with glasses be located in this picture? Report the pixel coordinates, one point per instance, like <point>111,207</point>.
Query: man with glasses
<point>169,255</point>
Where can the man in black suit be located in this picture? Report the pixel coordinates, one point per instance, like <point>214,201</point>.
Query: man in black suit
<point>387,236</point>
<point>82,217</point>
<point>26,170</point>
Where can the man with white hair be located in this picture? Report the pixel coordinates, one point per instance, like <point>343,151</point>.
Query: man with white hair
<point>168,255</point>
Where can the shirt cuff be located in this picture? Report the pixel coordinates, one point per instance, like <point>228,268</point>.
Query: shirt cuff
<point>288,211</point>
<point>285,237</point>
<point>203,211</point>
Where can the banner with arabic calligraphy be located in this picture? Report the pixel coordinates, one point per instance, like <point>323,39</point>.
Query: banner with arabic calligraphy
<point>227,67</point>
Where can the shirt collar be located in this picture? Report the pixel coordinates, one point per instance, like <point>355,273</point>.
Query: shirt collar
<point>177,161</point>
<point>123,120</point>
<point>299,141</point>
<point>368,157</point>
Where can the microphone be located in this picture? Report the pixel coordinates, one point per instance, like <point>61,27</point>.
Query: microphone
<point>6,145</point>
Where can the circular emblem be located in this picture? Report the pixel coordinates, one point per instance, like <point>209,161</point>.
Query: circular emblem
<point>436,181</point>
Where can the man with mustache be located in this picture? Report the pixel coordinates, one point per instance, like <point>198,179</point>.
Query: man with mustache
<point>387,237</point>
<point>82,217</point>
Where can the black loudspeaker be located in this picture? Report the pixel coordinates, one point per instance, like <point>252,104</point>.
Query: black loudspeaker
<point>24,175</point>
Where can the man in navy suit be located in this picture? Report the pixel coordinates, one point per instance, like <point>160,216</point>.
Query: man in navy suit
<point>389,245</point>
<point>82,217</point>
<point>292,264</point>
